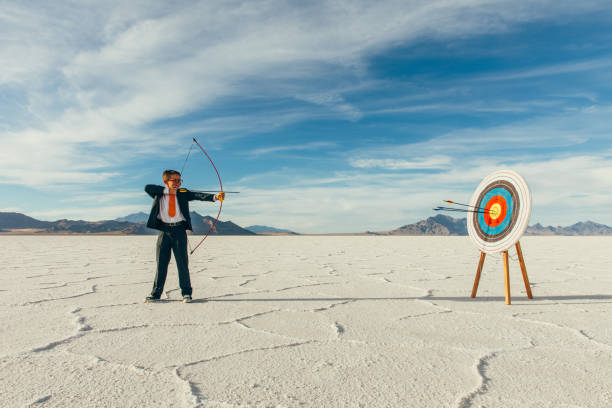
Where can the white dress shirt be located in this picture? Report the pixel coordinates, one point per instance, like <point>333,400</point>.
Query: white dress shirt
<point>164,205</point>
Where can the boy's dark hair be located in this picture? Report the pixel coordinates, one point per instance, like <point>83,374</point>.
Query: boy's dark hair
<point>168,173</point>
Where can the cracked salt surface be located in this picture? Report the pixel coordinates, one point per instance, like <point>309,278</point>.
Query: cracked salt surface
<point>304,322</point>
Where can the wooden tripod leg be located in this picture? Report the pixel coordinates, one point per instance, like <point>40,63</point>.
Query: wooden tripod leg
<point>519,252</point>
<point>477,280</point>
<point>507,277</point>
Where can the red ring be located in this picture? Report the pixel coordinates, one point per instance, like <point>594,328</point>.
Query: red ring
<point>504,207</point>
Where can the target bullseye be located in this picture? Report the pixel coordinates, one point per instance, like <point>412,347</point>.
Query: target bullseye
<point>495,211</point>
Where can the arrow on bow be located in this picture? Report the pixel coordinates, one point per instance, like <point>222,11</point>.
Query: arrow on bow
<point>215,191</point>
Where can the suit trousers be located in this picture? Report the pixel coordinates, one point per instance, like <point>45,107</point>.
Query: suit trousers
<point>172,239</point>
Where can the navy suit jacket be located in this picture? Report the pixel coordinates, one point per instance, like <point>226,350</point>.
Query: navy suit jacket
<point>183,197</point>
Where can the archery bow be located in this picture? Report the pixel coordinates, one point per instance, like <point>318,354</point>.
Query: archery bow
<point>220,190</point>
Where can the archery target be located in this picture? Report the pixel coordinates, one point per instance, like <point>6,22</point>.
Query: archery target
<point>502,207</point>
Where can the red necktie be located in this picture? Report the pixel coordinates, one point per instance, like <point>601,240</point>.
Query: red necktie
<point>172,207</point>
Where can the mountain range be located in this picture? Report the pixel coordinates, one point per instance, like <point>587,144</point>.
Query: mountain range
<point>135,224</point>
<point>445,225</point>
<point>580,228</point>
<point>257,229</point>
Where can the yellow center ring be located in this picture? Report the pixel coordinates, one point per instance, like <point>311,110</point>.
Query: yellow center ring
<point>495,211</point>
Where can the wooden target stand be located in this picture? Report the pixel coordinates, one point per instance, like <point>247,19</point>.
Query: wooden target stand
<point>519,252</point>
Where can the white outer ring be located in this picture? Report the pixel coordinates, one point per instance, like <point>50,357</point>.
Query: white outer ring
<point>524,197</point>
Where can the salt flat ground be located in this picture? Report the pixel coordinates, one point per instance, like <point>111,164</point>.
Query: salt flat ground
<point>305,322</point>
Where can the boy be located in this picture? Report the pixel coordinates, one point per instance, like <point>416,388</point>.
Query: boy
<point>170,215</point>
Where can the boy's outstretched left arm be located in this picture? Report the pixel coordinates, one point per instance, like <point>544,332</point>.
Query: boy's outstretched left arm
<point>194,195</point>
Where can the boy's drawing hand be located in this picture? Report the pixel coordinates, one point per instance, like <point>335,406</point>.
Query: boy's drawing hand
<point>220,196</point>
<point>172,190</point>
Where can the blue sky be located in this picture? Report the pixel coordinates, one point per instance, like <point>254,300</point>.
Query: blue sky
<point>328,117</point>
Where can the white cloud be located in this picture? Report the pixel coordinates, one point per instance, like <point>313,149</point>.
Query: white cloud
<point>335,102</point>
<point>10,209</point>
<point>289,148</point>
<point>554,69</point>
<point>103,197</point>
<point>530,139</point>
<point>432,162</point>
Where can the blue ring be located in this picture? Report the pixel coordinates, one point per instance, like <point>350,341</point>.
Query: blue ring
<point>510,208</point>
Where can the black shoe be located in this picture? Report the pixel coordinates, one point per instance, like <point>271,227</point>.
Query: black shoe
<point>151,299</point>
<point>187,299</point>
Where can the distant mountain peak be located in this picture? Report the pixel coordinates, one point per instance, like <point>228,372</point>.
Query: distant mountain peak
<point>135,217</point>
<point>437,225</point>
<point>202,224</point>
<point>10,220</point>
<point>263,229</point>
